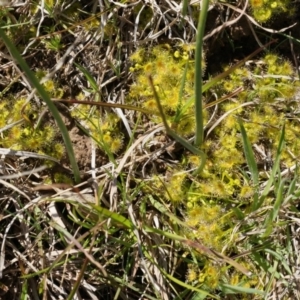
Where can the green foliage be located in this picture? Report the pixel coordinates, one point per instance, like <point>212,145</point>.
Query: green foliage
<point>166,67</point>
<point>267,83</point>
<point>263,10</point>
<point>227,208</point>
<point>209,223</point>
<point>103,128</point>
<point>25,136</point>
<point>50,86</point>
<point>54,43</point>
<point>269,88</point>
<point>270,85</point>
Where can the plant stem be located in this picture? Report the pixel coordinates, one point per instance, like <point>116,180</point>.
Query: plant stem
<point>198,73</point>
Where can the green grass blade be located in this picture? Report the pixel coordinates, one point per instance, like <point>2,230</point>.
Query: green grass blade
<point>119,219</point>
<point>188,286</point>
<point>176,137</point>
<point>269,222</point>
<point>271,280</point>
<point>275,166</point>
<point>234,289</point>
<point>280,257</point>
<point>292,187</point>
<point>88,77</point>
<point>249,155</point>
<point>251,162</point>
<point>24,292</point>
<point>198,73</point>
<point>35,83</point>
<point>279,200</point>
<point>161,208</point>
<point>184,7</point>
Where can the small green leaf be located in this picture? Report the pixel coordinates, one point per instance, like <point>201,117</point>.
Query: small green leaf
<point>275,166</point>
<point>119,219</point>
<point>89,77</point>
<point>234,289</point>
<point>249,155</point>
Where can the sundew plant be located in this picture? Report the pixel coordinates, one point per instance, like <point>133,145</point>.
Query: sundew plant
<point>149,150</point>
<point>173,76</point>
<point>214,201</point>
